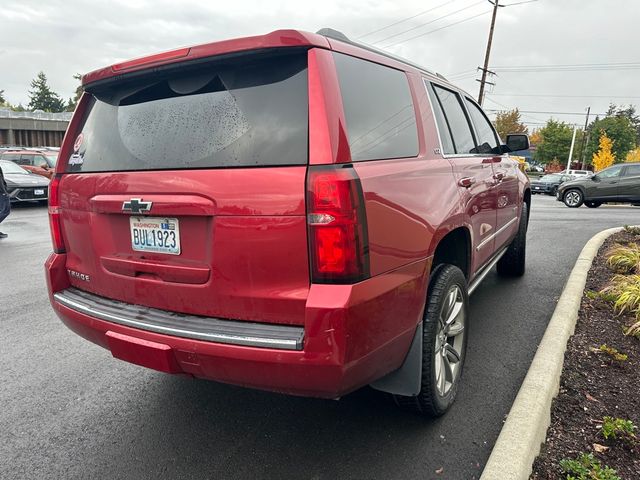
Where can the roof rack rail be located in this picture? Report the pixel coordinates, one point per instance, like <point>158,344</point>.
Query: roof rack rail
<point>337,35</point>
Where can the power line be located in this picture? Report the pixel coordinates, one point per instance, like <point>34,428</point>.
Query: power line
<point>560,96</point>
<point>548,113</point>
<point>436,30</point>
<point>405,19</point>
<point>428,23</point>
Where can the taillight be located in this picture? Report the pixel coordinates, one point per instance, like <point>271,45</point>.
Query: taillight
<point>338,243</point>
<point>54,215</point>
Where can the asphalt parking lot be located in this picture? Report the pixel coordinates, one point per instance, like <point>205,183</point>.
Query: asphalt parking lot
<point>69,410</point>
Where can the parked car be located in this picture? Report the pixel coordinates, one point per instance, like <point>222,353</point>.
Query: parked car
<point>292,212</point>
<point>22,185</point>
<point>549,183</point>
<point>618,183</point>
<point>36,161</point>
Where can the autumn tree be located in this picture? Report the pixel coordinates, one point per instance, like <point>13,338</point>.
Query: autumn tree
<point>604,157</point>
<point>509,122</point>
<point>633,155</point>
<point>41,97</point>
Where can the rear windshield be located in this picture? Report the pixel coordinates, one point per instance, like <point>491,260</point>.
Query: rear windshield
<point>249,112</point>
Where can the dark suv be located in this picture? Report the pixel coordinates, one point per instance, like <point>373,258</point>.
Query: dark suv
<point>618,183</point>
<point>293,212</point>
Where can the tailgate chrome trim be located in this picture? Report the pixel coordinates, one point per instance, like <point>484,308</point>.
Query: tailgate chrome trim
<point>233,332</point>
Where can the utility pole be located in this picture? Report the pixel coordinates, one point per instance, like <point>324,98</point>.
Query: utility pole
<point>584,138</point>
<point>485,69</point>
<point>573,142</point>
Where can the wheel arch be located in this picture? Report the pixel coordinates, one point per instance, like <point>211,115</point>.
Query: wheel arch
<point>454,248</point>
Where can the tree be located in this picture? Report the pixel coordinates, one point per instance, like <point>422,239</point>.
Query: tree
<point>41,97</point>
<point>618,128</point>
<point>73,101</point>
<point>554,143</point>
<point>604,157</point>
<point>633,155</point>
<point>509,122</point>
<point>2,100</point>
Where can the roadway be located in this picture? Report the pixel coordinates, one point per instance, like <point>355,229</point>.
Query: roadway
<point>69,410</point>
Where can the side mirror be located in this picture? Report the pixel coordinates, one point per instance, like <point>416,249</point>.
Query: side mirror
<point>517,141</point>
<point>595,178</point>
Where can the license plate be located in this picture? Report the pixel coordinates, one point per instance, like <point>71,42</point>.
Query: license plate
<point>536,188</point>
<point>38,192</point>
<point>155,234</point>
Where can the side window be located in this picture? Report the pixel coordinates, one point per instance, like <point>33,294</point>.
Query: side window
<point>379,111</point>
<point>456,119</point>
<point>441,122</point>
<point>25,160</point>
<point>487,142</point>
<point>632,171</point>
<point>10,157</point>
<point>610,172</point>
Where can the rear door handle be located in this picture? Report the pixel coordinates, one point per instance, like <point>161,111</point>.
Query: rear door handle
<point>466,182</point>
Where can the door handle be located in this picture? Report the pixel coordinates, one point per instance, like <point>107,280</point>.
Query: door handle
<point>466,182</point>
<point>498,176</point>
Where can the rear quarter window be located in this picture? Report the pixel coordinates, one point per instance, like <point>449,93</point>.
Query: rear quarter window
<point>252,111</point>
<point>378,107</point>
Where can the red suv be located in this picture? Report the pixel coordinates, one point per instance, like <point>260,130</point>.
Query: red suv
<point>291,212</point>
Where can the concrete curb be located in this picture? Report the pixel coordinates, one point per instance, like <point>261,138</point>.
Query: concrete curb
<point>525,428</point>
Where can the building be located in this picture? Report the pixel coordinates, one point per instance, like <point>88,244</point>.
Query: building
<point>33,129</point>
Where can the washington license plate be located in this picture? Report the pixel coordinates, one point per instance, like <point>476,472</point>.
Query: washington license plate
<point>155,234</point>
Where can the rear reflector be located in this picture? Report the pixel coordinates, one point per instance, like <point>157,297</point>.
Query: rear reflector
<point>54,215</point>
<point>336,217</point>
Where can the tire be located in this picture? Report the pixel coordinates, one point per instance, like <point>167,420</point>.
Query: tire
<point>554,192</point>
<point>444,344</point>
<point>593,204</point>
<point>512,263</point>
<point>573,198</point>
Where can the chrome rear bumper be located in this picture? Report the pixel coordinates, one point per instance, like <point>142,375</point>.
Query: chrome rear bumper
<point>234,332</point>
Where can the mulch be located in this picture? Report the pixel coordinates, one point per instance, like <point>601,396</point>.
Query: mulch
<point>593,385</point>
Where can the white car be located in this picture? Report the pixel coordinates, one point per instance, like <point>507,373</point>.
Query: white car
<point>577,173</point>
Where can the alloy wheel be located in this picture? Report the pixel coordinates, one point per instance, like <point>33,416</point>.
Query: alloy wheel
<point>450,340</point>
<point>572,198</point>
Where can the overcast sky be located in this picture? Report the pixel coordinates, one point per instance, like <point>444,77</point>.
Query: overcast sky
<point>67,37</point>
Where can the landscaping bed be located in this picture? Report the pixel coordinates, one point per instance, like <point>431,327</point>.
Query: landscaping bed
<point>594,416</point>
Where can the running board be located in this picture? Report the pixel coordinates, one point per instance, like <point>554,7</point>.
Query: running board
<point>483,273</point>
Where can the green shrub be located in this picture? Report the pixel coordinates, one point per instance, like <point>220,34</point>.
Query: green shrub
<point>615,427</point>
<point>624,258</point>
<point>626,291</point>
<point>586,467</point>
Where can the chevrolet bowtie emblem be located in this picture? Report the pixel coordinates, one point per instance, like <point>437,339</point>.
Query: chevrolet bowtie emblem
<point>136,205</point>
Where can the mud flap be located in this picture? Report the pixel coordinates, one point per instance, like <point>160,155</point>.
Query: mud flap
<point>407,380</point>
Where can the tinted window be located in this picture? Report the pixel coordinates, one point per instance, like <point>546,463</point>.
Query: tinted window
<point>379,111</point>
<point>12,157</point>
<point>486,137</point>
<point>610,172</point>
<point>456,119</point>
<point>441,121</point>
<point>241,113</point>
<point>632,171</point>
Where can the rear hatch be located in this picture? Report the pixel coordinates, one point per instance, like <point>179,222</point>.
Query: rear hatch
<point>186,189</point>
